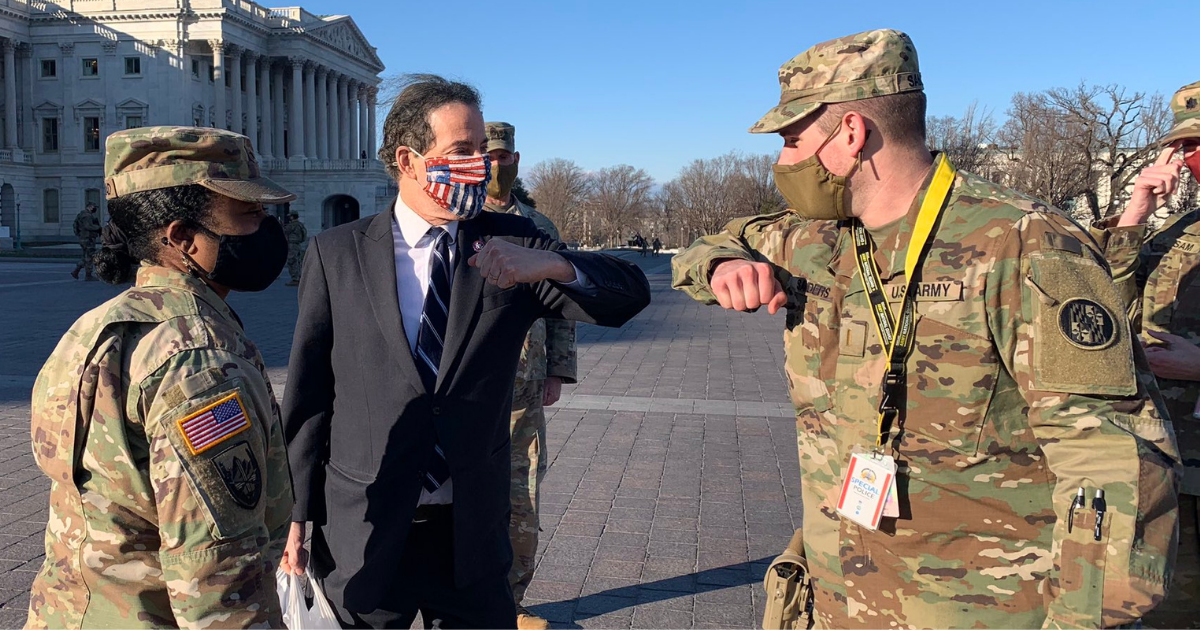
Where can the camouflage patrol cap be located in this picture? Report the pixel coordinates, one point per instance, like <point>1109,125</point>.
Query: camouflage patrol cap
<point>856,67</point>
<point>149,158</point>
<point>1185,104</point>
<point>501,135</point>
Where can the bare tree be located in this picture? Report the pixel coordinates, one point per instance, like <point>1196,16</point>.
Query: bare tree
<point>561,187</point>
<point>754,186</point>
<point>1115,132</point>
<point>1039,157</point>
<point>619,196</point>
<point>968,141</point>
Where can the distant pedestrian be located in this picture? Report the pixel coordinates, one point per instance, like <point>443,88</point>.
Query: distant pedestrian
<point>153,418</point>
<point>87,228</point>
<point>297,238</point>
<point>657,246</point>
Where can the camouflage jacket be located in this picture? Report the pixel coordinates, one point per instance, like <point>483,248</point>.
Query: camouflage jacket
<point>1007,414</point>
<point>295,232</point>
<point>1159,279</point>
<point>157,518</point>
<point>86,226</point>
<point>550,345</point>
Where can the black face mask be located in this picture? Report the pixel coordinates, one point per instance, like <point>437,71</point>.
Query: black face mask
<point>250,262</point>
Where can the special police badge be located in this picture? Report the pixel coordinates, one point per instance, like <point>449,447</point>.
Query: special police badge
<point>239,470</point>
<point>1087,325</point>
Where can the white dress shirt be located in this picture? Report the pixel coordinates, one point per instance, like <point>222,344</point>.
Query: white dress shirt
<point>413,248</point>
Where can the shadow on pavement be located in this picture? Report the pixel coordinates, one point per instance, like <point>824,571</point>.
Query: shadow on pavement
<point>564,613</point>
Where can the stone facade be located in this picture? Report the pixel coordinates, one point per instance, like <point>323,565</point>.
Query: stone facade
<point>303,87</point>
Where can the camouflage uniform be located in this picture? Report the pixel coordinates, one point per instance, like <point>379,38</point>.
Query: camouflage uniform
<point>297,236</point>
<point>549,351</point>
<point>1158,277</point>
<point>155,522</point>
<point>1009,408</point>
<point>87,228</point>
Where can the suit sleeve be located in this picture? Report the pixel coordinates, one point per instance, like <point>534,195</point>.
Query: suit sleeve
<point>1061,331</point>
<point>615,290</point>
<point>308,401</point>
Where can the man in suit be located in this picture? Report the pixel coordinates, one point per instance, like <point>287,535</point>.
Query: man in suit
<point>410,327</point>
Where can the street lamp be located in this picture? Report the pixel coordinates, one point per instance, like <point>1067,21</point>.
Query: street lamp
<point>17,240</point>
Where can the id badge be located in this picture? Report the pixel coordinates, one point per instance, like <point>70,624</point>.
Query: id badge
<point>868,483</point>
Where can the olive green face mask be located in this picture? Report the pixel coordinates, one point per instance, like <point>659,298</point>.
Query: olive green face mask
<point>811,190</point>
<point>503,177</point>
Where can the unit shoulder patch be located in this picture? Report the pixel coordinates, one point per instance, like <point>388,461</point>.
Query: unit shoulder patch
<point>214,424</point>
<point>1087,324</point>
<point>241,474</point>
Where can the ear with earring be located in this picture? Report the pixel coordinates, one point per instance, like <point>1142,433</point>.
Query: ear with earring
<point>191,265</point>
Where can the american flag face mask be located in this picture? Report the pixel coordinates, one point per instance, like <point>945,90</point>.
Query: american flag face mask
<point>458,183</point>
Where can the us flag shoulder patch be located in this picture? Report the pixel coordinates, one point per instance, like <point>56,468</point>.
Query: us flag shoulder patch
<point>208,427</point>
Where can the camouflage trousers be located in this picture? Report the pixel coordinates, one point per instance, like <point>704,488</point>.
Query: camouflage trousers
<point>88,251</point>
<point>528,427</point>
<point>1181,608</point>
<point>295,261</point>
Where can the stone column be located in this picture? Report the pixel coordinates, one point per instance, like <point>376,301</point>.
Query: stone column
<point>322,90</point>
<point>219,115</point>
<point>334,116</point>
<point>252,100</point>
<point>355,91</point>
<point>277,115</point>
<point>348,136</point>
<point>10,94</point>
<point>310,110</point>
<point>267,147</point>
<point>343,119</point>
<point>363,123</point>
<point>372,149</point>
<point>295,124</point>
<point>235,87</point>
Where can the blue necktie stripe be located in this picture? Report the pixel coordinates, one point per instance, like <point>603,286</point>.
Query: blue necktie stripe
<point>430,336</point>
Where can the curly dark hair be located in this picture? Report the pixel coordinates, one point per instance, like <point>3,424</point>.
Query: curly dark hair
<point>139,217</point>
<point>407,123</point>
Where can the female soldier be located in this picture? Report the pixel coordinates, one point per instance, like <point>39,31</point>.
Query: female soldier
<point>153,418</point>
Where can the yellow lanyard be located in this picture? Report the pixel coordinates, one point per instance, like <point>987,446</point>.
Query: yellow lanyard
<point>898,339</point>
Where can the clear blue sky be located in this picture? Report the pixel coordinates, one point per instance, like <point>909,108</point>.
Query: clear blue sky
<point>656,84</point>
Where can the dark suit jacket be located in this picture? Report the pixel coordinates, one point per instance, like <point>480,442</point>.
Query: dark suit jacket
<point>360,424</point>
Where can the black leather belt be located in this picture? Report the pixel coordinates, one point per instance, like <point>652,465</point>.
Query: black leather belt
<point>426,513</point>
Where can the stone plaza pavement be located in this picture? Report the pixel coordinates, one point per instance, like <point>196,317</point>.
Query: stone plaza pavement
<point>673,478</point>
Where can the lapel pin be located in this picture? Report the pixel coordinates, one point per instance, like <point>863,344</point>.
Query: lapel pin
<point>477,245</point>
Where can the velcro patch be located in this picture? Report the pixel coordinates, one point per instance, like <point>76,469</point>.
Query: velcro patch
<point>940,291</point>
<point>1087,324</point>
<point>214,424</point>
<point>240,473</point>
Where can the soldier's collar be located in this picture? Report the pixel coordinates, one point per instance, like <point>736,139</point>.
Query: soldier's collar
<point>157,276</point>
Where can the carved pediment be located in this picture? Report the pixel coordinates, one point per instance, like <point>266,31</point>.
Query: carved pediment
<point>342,34</point>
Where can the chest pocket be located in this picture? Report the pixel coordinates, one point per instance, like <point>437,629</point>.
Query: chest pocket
<point>1183,283</point>
<point>810,328</point>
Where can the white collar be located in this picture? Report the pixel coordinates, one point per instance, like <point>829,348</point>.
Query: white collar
<point>413,228</point>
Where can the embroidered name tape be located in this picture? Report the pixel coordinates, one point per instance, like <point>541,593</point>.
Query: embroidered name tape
<point>210,426</point>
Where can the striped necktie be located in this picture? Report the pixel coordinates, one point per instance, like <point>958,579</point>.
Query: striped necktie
<point>430,339</point>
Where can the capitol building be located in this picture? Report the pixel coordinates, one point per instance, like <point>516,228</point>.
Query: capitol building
<point>303,87</point>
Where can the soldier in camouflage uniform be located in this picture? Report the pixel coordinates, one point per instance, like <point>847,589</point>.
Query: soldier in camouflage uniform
<point>1158,277</point>
<point>153,418</point>
<point>547,361</point>
<point>87,228</point>
<point>1023,384</point>
<point>297,237</point>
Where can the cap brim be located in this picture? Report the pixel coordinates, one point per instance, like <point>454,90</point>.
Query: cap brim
<point>1187,129</point>
<point>783,115</point>
<point>258,190</point>
<point>496,144</point>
